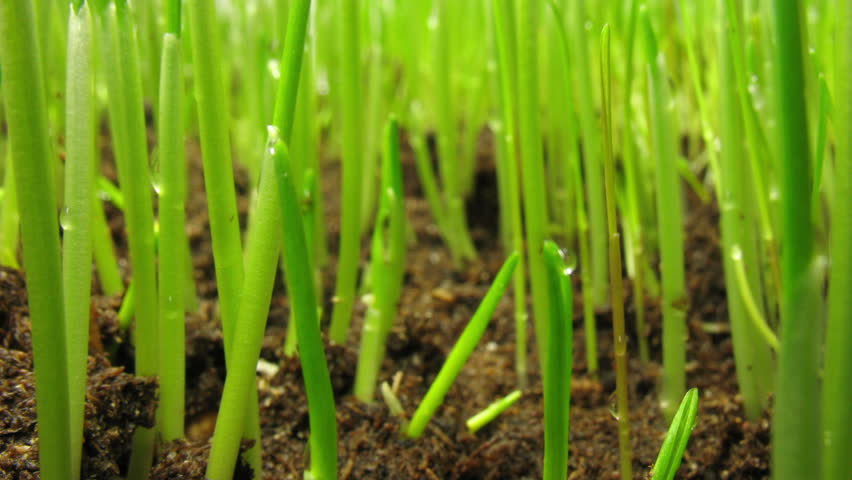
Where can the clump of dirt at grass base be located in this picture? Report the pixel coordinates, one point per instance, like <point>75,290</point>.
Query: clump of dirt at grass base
<point>116,402</point>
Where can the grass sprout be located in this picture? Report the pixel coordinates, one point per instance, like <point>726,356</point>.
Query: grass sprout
<point>492,411</point>
<point>462,349</point>
<point>671,452</point>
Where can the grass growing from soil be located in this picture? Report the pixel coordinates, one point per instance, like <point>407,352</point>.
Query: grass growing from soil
<point>745,104</point>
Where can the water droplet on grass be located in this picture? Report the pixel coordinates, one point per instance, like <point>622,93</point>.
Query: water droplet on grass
<point>273,66</point>
<point>65,219</point>
<point>570,260</point>
<point>736,253</point>
<point>154,171</point>
<point>432,23</point>
<point>613,409</point>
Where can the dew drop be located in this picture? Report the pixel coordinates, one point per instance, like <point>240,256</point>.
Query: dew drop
<point>154,171</point>
<point>432,23</point>
<point>273,66</point>
<point>65,219</point>
<point>737,253</point>
<point>322,84</point>
<point>273,133</point>
<point>774,194</point>
<point>613,409</point>
<point>570,260</point>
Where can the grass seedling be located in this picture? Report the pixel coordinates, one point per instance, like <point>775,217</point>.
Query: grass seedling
<point>350,228</point>
<point>489,413</point>
<point>451,164</point>
<point>635,231</point>
<point>837,380</point>
<point>76,219</point>
<point>796,420</point>
<point>727,114</point>
<point>262,248</point>
<point>754,362</point>
<point>323,439</point>
<point>211,101</point>
<point>387,267</point>
<point>375,100</point>
<point>264,240</point>
<point>171,187</point>
<point>671,452</point>
<point>574,179</point>
<point>532,164</point>
<point>292,99</point>
<point>670,226</point>
<point>557,374</point>
<point>128,119</point>
<point>753,137</point>
<point>433,195</point>
<point>462,349</point>
<point>616,287</point>
<point>592,168</point>
<point>504,26</point>
<point>393,403</point>
<point>26,115</point>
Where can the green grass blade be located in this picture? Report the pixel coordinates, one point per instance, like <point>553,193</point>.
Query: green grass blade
<point>262,248</point>
<point>670,226</point>
<point>240,394</point>
<point>532,165</point>
<point>737,211</point>
<point>592,154</point>
<point>837,382</point>
<point>350,228</point>
<point>451,164</point>
<point>557,385</point>
<point>574,179</point>
<point>26,115</point>
<point>462,349</point>
<point>172,240</point>
<point>387,267</point>
<point>796,417</point>
<point>323,422</point>
<point>489,413</point>
<point>211,100</point>
<point>671,452</point>
<point>504,20</point>
<point>128,118</point>
<point>616,289</point>
<point>76,219</point>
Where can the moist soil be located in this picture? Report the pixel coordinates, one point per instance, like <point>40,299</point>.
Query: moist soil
<point>437,301</point>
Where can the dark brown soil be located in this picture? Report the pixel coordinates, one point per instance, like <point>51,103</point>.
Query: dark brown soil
<point>116,402</point>
<point>438,300</point>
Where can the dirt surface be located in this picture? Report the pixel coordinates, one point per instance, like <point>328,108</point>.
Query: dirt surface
<point>438,299</point>
<point>116,402</point>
